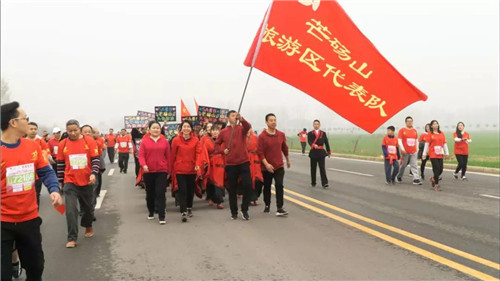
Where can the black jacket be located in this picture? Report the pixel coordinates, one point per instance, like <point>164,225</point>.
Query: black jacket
<point>322,141</point>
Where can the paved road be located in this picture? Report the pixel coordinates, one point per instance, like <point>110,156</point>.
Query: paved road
<point>414,233</point>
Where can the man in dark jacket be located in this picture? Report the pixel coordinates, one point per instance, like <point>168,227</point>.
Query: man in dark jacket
<point>318,141</point>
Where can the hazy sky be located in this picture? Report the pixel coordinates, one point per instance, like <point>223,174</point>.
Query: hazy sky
<point>97,61</point>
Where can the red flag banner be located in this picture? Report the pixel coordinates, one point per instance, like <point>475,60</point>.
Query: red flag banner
<point>184,110</point>
<point>315,47</point>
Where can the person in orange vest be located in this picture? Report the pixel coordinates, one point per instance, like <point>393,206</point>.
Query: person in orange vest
<point>437,148</point>
<point>391,155</point>
<point>407,140</point>
<point>462,140</point>
<point>110,144</point>
<point>303,140</point>
<point>124,147</point>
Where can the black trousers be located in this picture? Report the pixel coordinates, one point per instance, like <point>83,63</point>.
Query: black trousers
<point>38,188</point>
<point>422,166</point>
<point>111,154</point>
<point>234,172</point>
<point>278,176</point>
<point>123,161</point>
<point>303,144</point>
<point>137,166</point>
<point>156,186</point>
<point>186,186</point>
<point>321,163</point>
<point>437,168</point>
<point>462,163</point>
<point>28,241</point>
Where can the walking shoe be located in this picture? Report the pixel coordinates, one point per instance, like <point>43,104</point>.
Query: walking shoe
<point>256,203</point>
<point>455,175</point>
<point>422,176</point>
<point>244,215</point>
<point>464,178</point>
<point>417,182</point>
<point>124,171</point>
<point>266,209</point>
<point>17,269</point>
<point>432,181</point>
<point>151,216</point>
<point>121,171</point>
<point>399,180</point>
<point>184,217</point>
<point>281,212</point>
<point>387,182</point>
<point>325,185</point>
<point>220,206</point>
<point>234,216</point>
<point>190,212</point>
<point>440,178</point>
<point>210,203</point>
<point>162,221</point>
<point>393,182</point>
<point>89,232</point>
<point>437,187</point>
<point>71,244</point>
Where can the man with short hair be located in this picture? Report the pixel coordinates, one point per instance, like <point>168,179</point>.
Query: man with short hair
<point>77,165</point>
<point>110,140</point>
<point>234,141</point>
<point>33,135</point>
<point>271,148</point>
<point>20,222</point>
<point>124,147</point>
<point>407,140</point>
<point>54,146</point>
<point>318,141</point>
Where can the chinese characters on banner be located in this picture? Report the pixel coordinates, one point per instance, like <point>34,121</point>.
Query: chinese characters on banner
<point>135,121</point>
<point>212,114</point>
<point>194,119</point>
<point>170,130</point>
<point>165,113</point>
<point>150,115</point>
<point>320,51</point>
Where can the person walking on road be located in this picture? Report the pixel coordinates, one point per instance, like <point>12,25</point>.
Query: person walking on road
<point>110,144</point>
<point>391,155</point>
<point>20,221</point>
<point>155,159</point>
<point>53,146</point>
<point>136,144</point>
<point>271,149</point>
<point>462,141</point>
<point>232,141</point>
<point>303,140</point>
<point>78,166</point>
<point>124,147</point>
<point>407,140</point>
<point>436,148</point>
<point>186,152</point>
<point>421,144</point>
<point>318,141</point>
<point>33,135</point>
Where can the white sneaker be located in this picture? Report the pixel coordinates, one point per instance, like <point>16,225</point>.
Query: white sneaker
<point>455,175</point>
<point>464,178</point>
<point>163,222</point>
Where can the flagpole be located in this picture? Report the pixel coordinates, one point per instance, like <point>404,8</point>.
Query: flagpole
<point>245,89</point>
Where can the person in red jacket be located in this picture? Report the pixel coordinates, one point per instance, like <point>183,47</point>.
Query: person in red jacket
<point>155,159</point>
<point>77,166</point>
<point>272,144</point>
<point>303,140</point>
<point>33,135</point>
<point>21,160</point>
<point>391,155</point>
<point>407,140</point>
<point>421,145</point>
<point>255,167</point>
<point>186,151</point>
<point>53,146</point>
<point>124,147</point>
<point>462,140</point>
<point>110,140</point>
<point>436,147</point>
<point>234,138</point>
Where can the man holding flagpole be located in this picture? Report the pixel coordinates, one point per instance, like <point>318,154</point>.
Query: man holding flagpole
<point>233,142</point>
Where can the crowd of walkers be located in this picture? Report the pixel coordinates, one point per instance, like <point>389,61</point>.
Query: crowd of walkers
<point>207,160</point>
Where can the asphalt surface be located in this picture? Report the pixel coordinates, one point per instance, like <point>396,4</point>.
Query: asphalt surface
<point>312,243</point>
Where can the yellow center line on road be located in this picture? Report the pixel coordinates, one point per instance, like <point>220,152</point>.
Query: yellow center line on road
<point>404,245</point>
<point>402,232</point>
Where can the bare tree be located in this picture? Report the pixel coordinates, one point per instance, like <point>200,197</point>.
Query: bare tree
<point>5,98</point>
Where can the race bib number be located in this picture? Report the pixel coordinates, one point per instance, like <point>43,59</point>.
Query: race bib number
<point>411,142</point>
<point>56,149</point>
<point>123,144</point>
<point>391,149</point>
<point>20,178</point>
<point>78,161</point>
<point>438,150</point>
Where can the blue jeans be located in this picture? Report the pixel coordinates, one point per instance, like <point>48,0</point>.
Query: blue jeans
<point>395,169</point>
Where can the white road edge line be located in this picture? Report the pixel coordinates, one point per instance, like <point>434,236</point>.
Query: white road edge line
<point>489,196</point>
<point>382,163</point>
<point>100,199</point>
<point>111,172</point>
<point>350,172</point>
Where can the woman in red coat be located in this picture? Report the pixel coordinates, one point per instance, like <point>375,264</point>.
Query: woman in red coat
<point>186,152</point>
<point>155,159</point>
